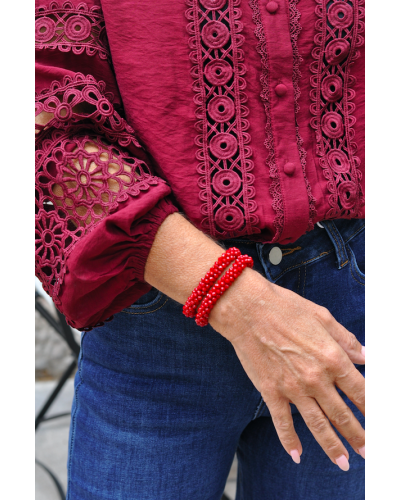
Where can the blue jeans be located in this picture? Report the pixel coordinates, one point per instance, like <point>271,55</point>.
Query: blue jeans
<point>162,405</point>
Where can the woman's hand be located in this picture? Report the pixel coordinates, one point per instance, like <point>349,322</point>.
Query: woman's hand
<point>295,351</point>
<point>292,349</point>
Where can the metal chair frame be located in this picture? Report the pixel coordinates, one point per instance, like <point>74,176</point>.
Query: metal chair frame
<point>65,331</point>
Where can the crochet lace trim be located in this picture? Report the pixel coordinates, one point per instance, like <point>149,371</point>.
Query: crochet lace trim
<point>67,27</point>
<point>295,29</point>
<point>339,27</point>
<point>226,182</point>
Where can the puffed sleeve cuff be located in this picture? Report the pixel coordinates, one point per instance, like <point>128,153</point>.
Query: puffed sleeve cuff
<point>105,271</point>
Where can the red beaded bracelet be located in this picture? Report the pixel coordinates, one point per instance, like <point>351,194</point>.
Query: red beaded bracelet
<point>219,288</point>
<point>189,309</point>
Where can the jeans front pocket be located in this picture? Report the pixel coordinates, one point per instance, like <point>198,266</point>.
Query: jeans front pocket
<point>356,252</point>
<point>148,303</point>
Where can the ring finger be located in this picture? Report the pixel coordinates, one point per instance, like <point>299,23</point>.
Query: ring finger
<point>323,432</point>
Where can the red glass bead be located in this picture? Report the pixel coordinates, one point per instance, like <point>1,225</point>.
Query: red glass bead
<point>210,282</point>
<point>221,286</point>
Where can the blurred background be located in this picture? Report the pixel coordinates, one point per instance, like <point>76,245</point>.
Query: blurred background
<point>54,366</point>
<point>56,353</point>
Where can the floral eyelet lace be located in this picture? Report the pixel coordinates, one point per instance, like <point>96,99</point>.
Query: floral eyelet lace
<point>82,172</point>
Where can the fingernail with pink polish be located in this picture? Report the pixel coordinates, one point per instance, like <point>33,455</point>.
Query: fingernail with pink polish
<point>363,350</point>
<point>343,463</point>
<point>296,456</point>
<point>361,451</point>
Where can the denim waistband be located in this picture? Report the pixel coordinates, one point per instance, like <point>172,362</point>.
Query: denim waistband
<point>330,236</point>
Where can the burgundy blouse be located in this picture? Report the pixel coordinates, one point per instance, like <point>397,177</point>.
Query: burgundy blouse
<point>247,116</point>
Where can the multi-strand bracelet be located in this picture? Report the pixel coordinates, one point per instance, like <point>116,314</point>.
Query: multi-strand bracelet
<point>208,291</point>
<point>198,294</point>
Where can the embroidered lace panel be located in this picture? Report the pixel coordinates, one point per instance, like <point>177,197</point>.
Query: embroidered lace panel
<point>224,153</point>
<point>82,173</point>
<point>69,27</point>
<point>338,37</point>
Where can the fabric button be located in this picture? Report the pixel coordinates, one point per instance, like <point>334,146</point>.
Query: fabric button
<point>280,89</point>
<point>272,7</point>
<point>275,256</point>
<point>289,168</point>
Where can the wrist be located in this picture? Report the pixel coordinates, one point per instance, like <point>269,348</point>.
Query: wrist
<point>233,312</point>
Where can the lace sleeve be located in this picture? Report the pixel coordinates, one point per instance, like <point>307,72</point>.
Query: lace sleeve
<point>98,204</point>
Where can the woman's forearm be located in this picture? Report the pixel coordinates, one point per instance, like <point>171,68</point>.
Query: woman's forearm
<point>180,256</point>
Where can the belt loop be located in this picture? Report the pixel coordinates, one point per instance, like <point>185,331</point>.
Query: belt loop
<point>338,243</point>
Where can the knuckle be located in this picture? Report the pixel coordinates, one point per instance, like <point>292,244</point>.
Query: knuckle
<point>287,441</point>
<point>282,424</point>
<point>292,387</point>
<point>267,393</point>
<point>333,356</point>
<point>359,398</point>
<point>325,315</point>
<point>352,341</point>
<point>334,448</point>
<point>315,377</point>
<point>341,418</point>
<point>318,424</point>
<point>356,441</point>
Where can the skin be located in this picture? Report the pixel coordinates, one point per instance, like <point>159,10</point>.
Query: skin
<point>292,349</point>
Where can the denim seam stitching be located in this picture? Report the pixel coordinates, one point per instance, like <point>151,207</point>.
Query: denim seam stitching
<point>351,270</point>
<point>258,409</point>
<point>342,246</point>
<point>302,263</point>
<point>147,312</point>
<point>355,232</point>
<point>73,417</point>
<point>304,284</point>
<point>355,269</point>
<point>339,247</point>
<point>298,284</point>
<point>319,256</point>
<point>141,306</point>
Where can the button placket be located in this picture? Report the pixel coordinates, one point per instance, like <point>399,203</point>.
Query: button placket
<point>275,21</point>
